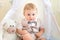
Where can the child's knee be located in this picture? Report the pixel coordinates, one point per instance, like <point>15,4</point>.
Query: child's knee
<point>27,37</point>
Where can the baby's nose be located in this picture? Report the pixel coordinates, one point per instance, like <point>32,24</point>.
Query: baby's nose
<point>31,16</point>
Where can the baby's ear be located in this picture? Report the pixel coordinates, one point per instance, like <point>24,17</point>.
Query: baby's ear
<point>23,13</point>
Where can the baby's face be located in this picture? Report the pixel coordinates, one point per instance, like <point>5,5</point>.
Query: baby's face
<point>30,14</point>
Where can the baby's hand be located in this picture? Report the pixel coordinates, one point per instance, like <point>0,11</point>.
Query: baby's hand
<point>25,32</point>
<point>11,30</point>
<point>27,37</point>
<point>37,35</point>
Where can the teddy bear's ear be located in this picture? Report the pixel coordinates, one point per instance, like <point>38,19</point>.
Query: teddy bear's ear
<point>4,24</point>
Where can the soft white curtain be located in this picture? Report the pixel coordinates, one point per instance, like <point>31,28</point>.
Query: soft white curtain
<point>52,28</point>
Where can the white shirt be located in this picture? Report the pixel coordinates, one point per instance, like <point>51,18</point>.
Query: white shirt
<point>29,27</point>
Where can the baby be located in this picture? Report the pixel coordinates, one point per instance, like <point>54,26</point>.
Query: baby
<point>31,26</point>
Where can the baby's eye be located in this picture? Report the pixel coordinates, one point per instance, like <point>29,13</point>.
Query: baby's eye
<point>28,14</point>
<point>33,14</point>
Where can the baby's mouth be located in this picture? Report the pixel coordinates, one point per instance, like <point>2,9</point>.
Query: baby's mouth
<point>31,19</point>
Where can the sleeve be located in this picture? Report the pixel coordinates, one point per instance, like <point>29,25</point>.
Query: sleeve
<point>40,24</point>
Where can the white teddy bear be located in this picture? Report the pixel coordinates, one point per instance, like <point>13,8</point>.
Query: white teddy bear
<point>9,30</point>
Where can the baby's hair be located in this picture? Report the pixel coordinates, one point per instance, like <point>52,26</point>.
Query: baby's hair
<point>30,6</point>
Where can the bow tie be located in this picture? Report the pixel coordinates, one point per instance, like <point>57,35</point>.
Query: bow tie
<point>32,23</point>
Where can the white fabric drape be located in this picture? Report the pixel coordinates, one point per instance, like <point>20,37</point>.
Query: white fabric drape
<point>52,28</point>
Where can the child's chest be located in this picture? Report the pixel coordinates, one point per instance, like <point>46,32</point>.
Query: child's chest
<point>31,26</point>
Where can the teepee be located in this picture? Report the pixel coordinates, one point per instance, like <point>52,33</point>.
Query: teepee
<point>51,26</point>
